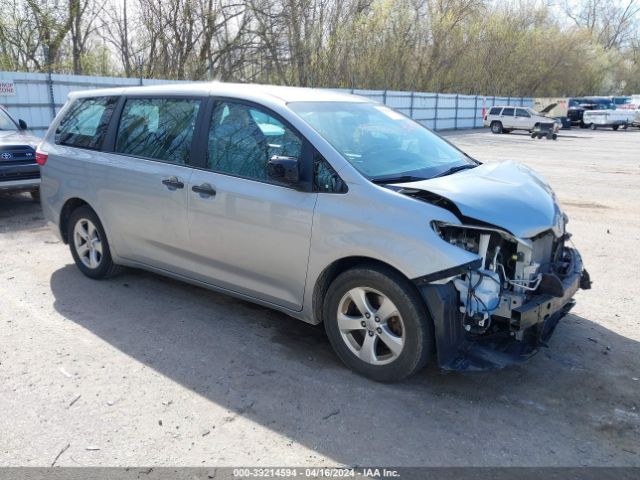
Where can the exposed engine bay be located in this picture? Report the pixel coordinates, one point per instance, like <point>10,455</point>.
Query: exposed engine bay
<point>502,306</point>
<point>517,293</point>
<point>512,272</point>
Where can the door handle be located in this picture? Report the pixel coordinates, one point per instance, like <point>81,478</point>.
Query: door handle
<point>172,183</point>
<point>204,189</point>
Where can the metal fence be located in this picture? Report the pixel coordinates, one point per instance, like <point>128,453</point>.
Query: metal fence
<point>441,111</point>
<point>36,97</point>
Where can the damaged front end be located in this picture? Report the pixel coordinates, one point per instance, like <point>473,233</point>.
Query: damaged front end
<point>501,308</point>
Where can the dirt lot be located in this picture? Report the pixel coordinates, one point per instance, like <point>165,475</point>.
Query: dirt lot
<point>142,370</point>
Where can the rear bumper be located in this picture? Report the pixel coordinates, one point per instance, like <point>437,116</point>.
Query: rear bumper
<point>530,326</point>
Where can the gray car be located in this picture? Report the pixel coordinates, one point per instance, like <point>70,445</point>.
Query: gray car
<point>326,206</point>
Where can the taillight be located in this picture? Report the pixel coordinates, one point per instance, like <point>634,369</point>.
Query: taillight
<point>41,158</point>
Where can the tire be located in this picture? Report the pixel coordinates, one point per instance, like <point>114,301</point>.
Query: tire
<point>615,127</point>
<point>408,330</point>
<point>534,135</point>
<point>35,195</point>
<point>549,136</point>
<point>496,127</point>
<point>95,262</point>
<point>554,136</point>
<point>593,126</point>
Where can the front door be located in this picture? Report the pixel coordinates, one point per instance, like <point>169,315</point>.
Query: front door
<point>248,234</point>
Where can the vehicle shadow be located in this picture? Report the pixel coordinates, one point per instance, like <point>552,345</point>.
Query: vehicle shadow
<point>574,404</point>
<point>19,212</point>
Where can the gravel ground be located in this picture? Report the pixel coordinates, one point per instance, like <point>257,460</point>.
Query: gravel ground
<point>143,370</point>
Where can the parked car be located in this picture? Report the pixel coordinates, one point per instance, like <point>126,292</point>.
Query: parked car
<point>505,119</point>
<point>577,107</point>
<point>329,207</point>
<point>19,171</point>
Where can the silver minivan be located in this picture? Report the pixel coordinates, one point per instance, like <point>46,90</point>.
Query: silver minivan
<point>326,206</point>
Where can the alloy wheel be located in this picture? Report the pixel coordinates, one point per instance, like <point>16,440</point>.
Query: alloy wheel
<point>371,326</point>
<point>88,243</point>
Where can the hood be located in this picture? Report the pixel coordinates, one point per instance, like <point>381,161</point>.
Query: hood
<point>20,137</point>
<point>548,108</point>
<point>507,195</point>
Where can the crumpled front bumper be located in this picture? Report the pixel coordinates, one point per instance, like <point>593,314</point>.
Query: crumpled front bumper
<point>531,324</point>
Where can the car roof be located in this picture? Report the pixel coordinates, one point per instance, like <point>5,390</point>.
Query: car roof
<point>509,106</point>
<point>236,90</point>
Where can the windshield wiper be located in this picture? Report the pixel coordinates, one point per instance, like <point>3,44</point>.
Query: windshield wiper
<point>399,179</point>
<point>454,170</point>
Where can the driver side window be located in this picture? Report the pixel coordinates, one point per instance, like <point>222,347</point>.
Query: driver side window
<point>243,138</point>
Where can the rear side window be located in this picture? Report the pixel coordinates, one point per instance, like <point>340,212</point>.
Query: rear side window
<point>85,124</point>
<point>521,112</point>
<point>508,112</point>
<point>158,128</point>
<point>495,111</point>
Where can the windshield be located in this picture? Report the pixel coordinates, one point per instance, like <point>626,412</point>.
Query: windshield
<point>5,122</point>
<point>380,142</point>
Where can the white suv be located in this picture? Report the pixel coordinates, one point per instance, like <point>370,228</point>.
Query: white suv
<point>504,119</point>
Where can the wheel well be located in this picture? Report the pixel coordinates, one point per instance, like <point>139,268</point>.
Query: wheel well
<point>68,208</point>
<point>330,273</point>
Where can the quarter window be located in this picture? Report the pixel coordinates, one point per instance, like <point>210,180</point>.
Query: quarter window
<point>495,111</point>
<point>85,124</point>
<point>158,128</point>
<point>243,138</point>
<point>325,178</point>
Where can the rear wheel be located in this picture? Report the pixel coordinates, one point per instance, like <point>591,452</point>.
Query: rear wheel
<point>496,127</point>
<point>377,323</point>
<point>593,126</point>
<point>89,245</point>
<point>615,127</point>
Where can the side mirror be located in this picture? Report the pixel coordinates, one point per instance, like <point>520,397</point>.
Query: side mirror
<point>284,169</point>
<point>22,124</point>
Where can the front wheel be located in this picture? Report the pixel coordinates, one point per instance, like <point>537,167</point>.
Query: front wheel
<point>89,245</point>
<point>377,323</point>
<point>615,127</point>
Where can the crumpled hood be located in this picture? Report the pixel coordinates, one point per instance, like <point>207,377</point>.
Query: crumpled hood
<point>506,194</point>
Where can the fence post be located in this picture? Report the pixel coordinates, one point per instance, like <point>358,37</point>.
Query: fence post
<point>52,100</point>
<point>455,120</point>
<point>435,116</point>
<point>384,97</point>
<point>411,105</point>
<point>475,111</point>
